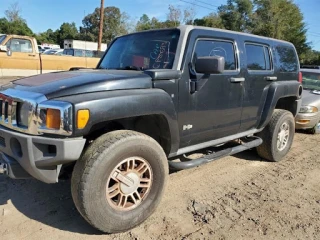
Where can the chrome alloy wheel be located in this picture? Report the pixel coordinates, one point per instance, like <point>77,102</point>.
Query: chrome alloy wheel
<point>129,184</point>
<point>283,136</point>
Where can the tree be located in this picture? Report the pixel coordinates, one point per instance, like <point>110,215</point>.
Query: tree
<point>144,23</point>
<point>189,15</point>
<point>14,23</point>
<point>281,19</point>
<point>13,13</point>
<point>174,16</point>
<point>237,15</point>
<point>67,31</point>
<point>16,27</point>
<point>114,24</point>
<point>48,36</point>
<point>212,20</point>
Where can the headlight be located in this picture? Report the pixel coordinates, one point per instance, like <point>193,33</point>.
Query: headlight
<point>55,117</point>
<point>50,118</point>
<point>23,110</point>
<point>308,109</point>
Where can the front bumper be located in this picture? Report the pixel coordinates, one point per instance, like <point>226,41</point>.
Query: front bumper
<point>307,120</point>
<point>34,156</point>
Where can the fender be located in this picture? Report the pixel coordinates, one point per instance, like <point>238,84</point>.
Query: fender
<point>271,95</point>
<point>120,104</point>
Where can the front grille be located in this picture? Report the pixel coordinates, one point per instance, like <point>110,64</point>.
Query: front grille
<point>8,108</point>
<point>2,142</point>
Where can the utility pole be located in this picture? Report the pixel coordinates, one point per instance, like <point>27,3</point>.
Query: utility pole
<point>101,25</point>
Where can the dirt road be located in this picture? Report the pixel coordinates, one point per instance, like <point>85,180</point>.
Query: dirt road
<point>239,197</point>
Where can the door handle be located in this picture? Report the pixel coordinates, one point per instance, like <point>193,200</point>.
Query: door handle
<point>237,80</point>
<point>32,55</point>
<point>270,78</point>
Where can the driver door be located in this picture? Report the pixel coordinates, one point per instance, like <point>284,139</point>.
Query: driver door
<point>214,110</point>
<point>23,60</point>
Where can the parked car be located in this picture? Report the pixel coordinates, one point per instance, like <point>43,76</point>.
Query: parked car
<point>311,66</point>
<point>53,52</point>
<point>154,96</point>
<point>19,56</point>
<point>308,117</point>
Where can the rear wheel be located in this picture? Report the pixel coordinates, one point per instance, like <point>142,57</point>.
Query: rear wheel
<point>277,136</point>
<point>119,181</point>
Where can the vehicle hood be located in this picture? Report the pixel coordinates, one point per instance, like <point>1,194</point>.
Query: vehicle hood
<point>59,84</point>
<point>309,97</point>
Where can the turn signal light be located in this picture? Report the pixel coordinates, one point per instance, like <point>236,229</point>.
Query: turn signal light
<point>302,121</point>
<point>53,118</point>
<point>82,118</point>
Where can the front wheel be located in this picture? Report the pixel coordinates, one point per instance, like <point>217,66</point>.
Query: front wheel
<point>119,181</point>
<point>277,136</point>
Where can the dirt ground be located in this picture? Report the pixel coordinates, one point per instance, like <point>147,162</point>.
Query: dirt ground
<point>239,197</point>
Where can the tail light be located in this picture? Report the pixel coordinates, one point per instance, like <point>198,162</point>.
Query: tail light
<point>300,77</point>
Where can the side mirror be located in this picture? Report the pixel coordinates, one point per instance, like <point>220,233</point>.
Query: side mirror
<point>210,65</point>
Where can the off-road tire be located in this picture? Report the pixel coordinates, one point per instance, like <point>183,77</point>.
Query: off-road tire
<point>92,171</point>
<point>268,149</point>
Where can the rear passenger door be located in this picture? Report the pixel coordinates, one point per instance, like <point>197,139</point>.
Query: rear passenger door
<point>259,72</point>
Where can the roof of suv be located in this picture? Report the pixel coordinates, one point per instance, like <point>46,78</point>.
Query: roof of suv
<point>190,27</point>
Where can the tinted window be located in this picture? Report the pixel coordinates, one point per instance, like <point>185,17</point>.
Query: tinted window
<point>146,50</point>
<point>286,58</point>
<point>206,48</point>
<point>20,45</point>
<point>258,57</point>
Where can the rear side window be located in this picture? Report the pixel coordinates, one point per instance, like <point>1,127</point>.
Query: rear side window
<point>206,48</point>
<point>258,57</point>
<point>286,58</point>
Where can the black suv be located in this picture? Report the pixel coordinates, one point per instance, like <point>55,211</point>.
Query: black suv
<point>154,96</point>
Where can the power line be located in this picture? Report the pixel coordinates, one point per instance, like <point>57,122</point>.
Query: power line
<point>198,5</point>
<point>207,3</point>
<point>314,33</point>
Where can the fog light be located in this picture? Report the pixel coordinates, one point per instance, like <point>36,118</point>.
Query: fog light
<point>82,118</point>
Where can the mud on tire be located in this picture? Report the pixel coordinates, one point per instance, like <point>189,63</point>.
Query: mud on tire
<point>124,155</point>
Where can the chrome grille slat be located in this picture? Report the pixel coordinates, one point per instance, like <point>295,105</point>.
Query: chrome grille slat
<point>14,113</point>
<point>3,110</point>
<point>8,111</point>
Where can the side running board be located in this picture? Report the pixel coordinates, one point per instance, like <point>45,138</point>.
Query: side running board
<point>251,143</point>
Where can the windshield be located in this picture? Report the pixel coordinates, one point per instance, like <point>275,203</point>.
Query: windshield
<point>144,50</point>
<point>2,37</point>
<point>311,80</point>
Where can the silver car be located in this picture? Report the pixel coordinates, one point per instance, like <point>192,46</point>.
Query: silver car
<point>308,117</point>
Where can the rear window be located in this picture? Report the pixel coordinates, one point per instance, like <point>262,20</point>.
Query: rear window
<point>286,58</point>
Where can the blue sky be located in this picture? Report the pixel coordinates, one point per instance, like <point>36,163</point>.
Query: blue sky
<point>44,14</point>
